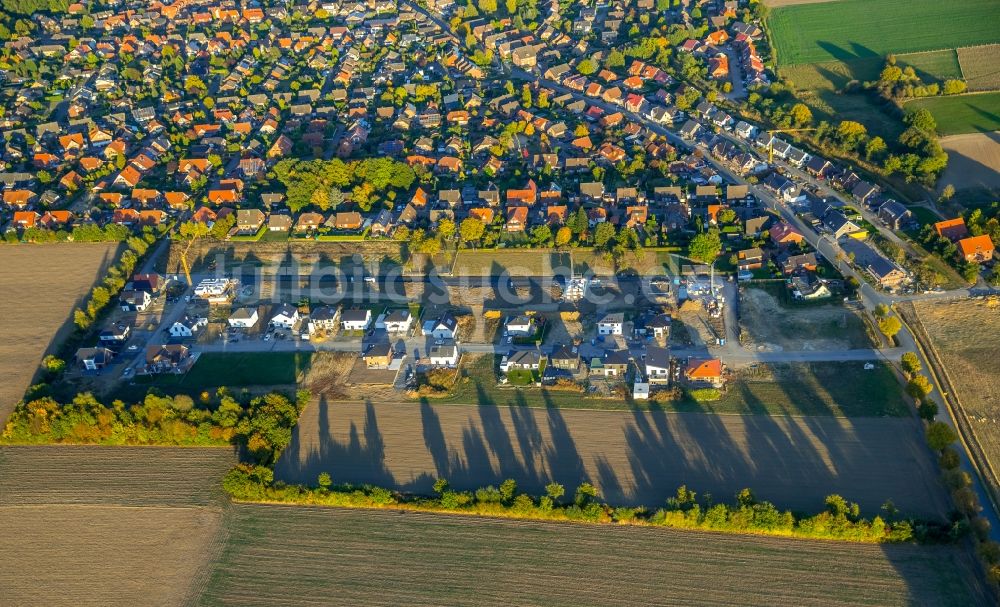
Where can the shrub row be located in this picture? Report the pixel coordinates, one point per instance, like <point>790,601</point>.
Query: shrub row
<point>840,520</point>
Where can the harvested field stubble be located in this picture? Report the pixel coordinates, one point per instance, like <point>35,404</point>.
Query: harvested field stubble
<point>36,279</point>
<point>981,66</point>
<point>964,335</point>
<point>303,555</point>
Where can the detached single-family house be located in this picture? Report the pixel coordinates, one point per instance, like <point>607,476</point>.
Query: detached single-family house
<point>659,325</point>
<point>528,360</point>
<point>976,249</point>
<point>614,363</point>
<point>704,372</point>
<point>378,356</point>
<point>398,321</point>
<point>94,359</point>
<point>249,221</point>
<point>324,318</point>
<point>657,363</point>
<point>444,327</point>
<point>187,326</point>
<point>285,316</point>
<point>355,320</point>
<point>134,300</point>
<point>169,358</point>
<point>566,358</point>
<point>520,326</point>
<point>952,229</point>
<point>445,355</point>
<point>115,335</point>
<point>611,324</point>
<point>243,318</point>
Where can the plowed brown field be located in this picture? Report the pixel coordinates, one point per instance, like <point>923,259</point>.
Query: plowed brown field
<point>634,457</point>
<point>42,284</point>
<point>314,556</point>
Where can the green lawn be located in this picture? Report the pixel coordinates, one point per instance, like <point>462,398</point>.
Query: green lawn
<point>215,369</point>
<point>850,29</point>
<point>957,114</point>
<point>934,66</point>
<point>816,389</point>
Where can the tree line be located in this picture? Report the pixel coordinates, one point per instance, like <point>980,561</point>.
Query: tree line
<point>263,425</point>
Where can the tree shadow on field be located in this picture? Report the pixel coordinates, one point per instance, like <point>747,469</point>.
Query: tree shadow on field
<point>360,459</point>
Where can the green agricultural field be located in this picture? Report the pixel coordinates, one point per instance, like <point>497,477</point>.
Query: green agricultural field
<point>851,29</point>
<point>957,114</point>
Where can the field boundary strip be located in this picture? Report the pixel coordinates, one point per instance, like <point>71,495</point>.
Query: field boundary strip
<point>940,376</point>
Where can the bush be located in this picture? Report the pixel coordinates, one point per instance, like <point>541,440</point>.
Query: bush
<point>949,459</point>
<point>911,363</point>
<point>940,435</point>
<point>927,410</point>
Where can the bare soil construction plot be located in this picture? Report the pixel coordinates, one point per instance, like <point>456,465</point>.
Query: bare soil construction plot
<point>973,161</point>
<point>298,556</point>
<point>965,335</point>
<point>768,326</point>
<point>108,525</point>
<point>49,280</point>
<point>633,457</point>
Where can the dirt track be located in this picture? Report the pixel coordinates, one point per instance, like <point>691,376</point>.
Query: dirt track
<point>634,458</point>
<point>42,285</point>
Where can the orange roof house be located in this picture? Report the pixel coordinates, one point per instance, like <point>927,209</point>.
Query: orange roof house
<point>128,176</point>
<point>718,66</point>
<point>713,212</point>
<point>952,229</point>
<point>55,219</point>
<point>636,215</point>
<point>224,196</point>
<point>517,219</point>
<point>522,197</point>
<point>419,198</point>
<point>176,200</point>
<point>112,198</point>
<point>783,233</point>
<point>704,371</point>
<point>483,214</point>
<point>204,215</point>
<point>556,214</point>
<point>26,219</point>
<point>144,196</point>
<point>976,249</point>
<point>717,37</point>
<point>18,198</point>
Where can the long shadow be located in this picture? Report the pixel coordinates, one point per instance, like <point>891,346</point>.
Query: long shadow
<point>361,459</point>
